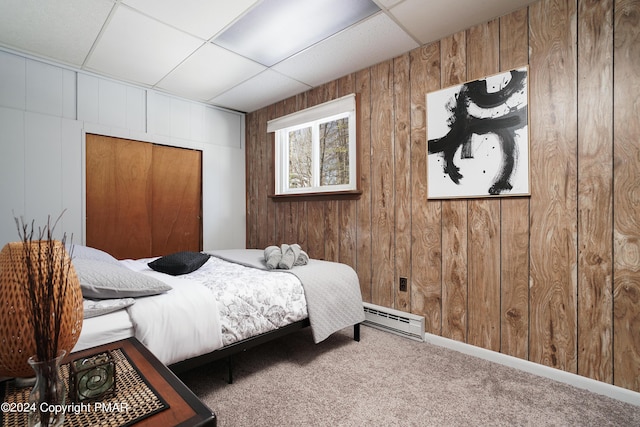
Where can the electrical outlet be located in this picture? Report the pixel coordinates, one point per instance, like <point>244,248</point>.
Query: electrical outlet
<point>403,284</point>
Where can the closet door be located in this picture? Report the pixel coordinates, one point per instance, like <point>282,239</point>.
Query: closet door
<point>176,200</point>
<point>118,195</point>
<point>142,199</point>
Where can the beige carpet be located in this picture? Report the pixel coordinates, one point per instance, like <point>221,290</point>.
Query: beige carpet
<point>387,380</point>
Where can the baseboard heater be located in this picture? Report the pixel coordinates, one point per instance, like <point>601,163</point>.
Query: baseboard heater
<point>395,321</point>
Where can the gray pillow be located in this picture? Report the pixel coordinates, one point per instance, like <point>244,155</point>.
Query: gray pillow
<point>100,307</point>
<point>86,252</point>
<point>104,280</point>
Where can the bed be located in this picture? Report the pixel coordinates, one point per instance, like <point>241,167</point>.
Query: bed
<point>219,304</point>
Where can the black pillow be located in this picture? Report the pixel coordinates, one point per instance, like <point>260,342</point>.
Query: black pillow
<point>179,262</point>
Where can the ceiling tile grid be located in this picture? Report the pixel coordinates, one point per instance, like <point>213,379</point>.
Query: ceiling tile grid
<point>264,89</point>
<point>374,40</point>
<point>138,49</point>
<point>208,72</point>
<point>201,18</point>
<point>176,47</point>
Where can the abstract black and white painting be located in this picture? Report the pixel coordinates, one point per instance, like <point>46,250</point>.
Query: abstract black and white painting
<point>478,138</point>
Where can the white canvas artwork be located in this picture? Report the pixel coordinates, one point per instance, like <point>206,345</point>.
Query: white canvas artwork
<point>478,138</point>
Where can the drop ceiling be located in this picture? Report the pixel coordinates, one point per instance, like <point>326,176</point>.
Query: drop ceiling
<point>181,48</point>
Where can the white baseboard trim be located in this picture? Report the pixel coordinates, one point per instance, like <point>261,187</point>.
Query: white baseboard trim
<point>575,380</point>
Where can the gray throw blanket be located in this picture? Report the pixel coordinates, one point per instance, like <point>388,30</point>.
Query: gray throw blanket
<point>332,290</point>
<point>285,256</point>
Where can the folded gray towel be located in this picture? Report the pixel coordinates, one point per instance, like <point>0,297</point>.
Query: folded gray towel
<point>302,259</point>
<point>289,255</point>
<point>272,256</point>
<point>285,256</point>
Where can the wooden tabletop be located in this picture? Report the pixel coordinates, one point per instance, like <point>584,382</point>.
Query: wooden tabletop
<point>185,409</point>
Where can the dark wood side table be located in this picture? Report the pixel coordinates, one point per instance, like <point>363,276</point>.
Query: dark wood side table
<point>185,408</point>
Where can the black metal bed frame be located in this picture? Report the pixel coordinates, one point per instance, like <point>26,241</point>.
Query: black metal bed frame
<point>232,349</point>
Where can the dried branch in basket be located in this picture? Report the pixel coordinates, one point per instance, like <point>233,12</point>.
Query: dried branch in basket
<point>46,285</point>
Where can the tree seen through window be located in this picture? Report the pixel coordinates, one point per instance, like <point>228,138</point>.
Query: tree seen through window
<point>334,152</point>
<point>300,158</point>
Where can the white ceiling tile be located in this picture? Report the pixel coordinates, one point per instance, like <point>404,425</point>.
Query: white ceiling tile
<point>369,42</point>
<point>208,72</point>
<point>262,90</point>
<point>202,18</point>
<point>444,17</point>
<point>140,49</point>
<point>387,3</point>
<point>60,30</point>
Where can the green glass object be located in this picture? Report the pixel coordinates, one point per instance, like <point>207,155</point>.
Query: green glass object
<point>93,377</point>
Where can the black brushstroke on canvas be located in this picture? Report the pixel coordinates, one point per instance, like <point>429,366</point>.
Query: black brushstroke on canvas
<point>462,126</point>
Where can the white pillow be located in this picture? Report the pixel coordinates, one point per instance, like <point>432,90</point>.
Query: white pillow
<point>104,280</point>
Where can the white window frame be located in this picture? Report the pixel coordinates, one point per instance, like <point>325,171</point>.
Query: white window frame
<point>344,107</point>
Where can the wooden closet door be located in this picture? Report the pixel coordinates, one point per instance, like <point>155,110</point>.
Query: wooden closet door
<point>176,200</point>
<point>118,196</point>
<point>142,199</point>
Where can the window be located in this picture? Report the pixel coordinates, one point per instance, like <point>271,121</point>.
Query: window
<point>315,149</point>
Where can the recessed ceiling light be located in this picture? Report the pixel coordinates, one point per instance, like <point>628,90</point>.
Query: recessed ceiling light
<point>277,29</point>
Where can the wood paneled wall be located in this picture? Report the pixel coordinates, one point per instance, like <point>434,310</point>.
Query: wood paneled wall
<point>553,278</point>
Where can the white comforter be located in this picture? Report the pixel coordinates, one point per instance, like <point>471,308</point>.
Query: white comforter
<point>224,302</point>
<point>220,303</point>
<point>179,324</point>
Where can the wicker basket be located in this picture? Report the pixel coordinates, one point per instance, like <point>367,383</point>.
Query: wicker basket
<point>17,343</point>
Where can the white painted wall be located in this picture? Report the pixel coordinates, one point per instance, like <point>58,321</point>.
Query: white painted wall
<point>46,111</point>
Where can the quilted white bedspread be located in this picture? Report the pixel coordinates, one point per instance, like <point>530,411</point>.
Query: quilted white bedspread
<point>220,303</point>
<point>250,301</point>
<point>332,290</point>
<point>234,296</point>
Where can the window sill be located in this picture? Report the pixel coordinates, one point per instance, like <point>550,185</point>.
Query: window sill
<point>336,195</point>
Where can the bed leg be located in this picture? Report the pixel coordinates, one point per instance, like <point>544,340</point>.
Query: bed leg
<point>230,368</point>
<point>356,332</point>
